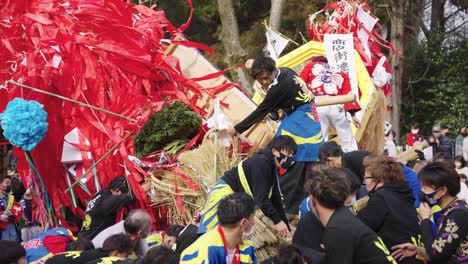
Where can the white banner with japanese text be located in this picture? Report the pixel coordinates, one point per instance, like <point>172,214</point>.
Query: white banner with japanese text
<point>340,55</point>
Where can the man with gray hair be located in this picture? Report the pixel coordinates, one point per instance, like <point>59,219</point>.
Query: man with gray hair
<point>440,142</point>
<point>136,226</point>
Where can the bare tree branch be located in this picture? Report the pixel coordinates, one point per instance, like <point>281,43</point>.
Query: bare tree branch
<point>422,25</point>
<point>453,30</point>
<point>422,76</point>
<point>454,13</point>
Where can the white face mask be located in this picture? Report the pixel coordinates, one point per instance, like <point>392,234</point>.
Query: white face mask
<point>414,131</point>
<point>246,234</point>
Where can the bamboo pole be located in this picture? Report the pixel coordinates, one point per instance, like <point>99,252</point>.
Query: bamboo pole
<point>334,100</point>
<point>72,100</point>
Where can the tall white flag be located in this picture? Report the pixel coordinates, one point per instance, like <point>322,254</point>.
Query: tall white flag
<point>367,21</point>
<point>275,43</point>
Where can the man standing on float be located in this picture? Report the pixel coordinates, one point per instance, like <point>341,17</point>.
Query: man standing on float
<point>323,80</point>
<point>285,90</point>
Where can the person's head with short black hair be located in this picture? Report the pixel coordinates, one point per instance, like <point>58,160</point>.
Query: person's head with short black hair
<point>283,148</point>
<point>289,254</point>
<point>284,144</point>
<point>160,255</point>
<point>330,188</point>
<point>171,235</point>
<point>118,185</point>
<point>415,125</point>
<point>459,162</point>
<point>264,70</point>
<point>234,208</point>
<point>330,152</point>
<point>440,180</point>
<point>118,245</point>
<point>12,252</point>
<point>81,244</point>
<point>138,224</point>
<point>236,214</point>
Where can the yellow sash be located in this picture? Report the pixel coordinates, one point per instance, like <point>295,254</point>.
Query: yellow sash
<point>11,199</point>
<point>244,182</point>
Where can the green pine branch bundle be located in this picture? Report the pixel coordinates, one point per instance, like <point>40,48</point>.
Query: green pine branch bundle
<point>174,122</point>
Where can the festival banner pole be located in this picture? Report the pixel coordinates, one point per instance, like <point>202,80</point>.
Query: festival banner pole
<point>71,100</point>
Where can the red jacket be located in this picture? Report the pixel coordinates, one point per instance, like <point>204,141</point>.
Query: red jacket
<point>323,80</point>
<point>412,138</point>
<point>15,209</point>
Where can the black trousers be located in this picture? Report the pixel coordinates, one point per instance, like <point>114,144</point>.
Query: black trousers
<point>292,186</point>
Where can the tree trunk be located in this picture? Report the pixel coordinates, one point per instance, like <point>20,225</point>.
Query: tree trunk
<point>230,37</point>
<point>396,61</point>
<point>437,15</point>
<point>437,23</point>
<point>276,11</point>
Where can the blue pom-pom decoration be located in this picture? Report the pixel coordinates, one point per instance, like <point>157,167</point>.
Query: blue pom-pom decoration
<point>24,123</point>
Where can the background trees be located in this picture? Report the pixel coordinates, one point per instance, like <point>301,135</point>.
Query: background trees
<point>429,82</point>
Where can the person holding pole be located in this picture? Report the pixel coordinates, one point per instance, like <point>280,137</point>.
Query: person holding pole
<point>325,81</point>
<point>285,90</point>
<point>288,92</point>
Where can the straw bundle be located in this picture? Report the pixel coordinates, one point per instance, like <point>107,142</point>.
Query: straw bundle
<point>373,137</point>
<point>162,184</point>
<point>202,161</point>
<point>199,166</point>
<point>265,238</point>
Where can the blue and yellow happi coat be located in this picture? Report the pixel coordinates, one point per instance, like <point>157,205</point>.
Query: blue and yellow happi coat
<point>36,251</point>
<point>305,129</point>
<point>209,248</point>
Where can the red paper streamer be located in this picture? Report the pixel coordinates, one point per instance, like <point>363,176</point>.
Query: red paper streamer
<point>106,53</point>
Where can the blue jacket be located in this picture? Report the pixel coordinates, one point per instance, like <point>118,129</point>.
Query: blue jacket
<point>209,248</point>
<point>413,181</point>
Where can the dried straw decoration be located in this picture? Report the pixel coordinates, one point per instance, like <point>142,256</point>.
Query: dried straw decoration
<point>198,165</point>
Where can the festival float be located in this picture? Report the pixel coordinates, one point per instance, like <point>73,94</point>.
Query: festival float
<point>125,93</point>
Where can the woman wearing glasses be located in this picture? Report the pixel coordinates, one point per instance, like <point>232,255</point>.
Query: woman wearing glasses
<point>390,211</point>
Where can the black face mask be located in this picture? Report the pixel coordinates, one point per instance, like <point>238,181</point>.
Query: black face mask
<point>8,189</point>
<point>287,161</point>
<point>429,198</point>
